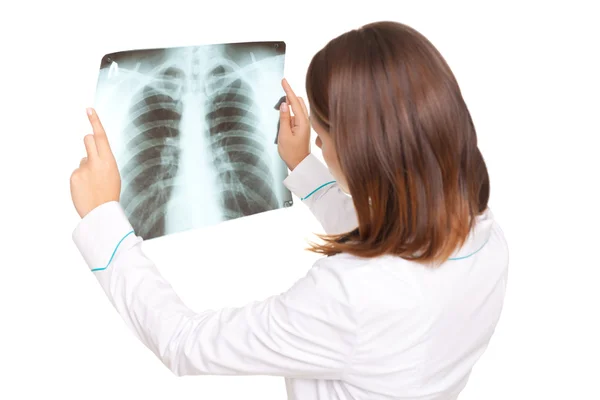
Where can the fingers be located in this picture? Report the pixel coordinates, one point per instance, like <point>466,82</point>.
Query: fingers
<point>100,139</point>
<point>293,100</point>
<point>90,146</point>
<point>285,120</point>
<point>304,109</point>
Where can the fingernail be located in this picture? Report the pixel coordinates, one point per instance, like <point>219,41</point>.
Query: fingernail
<point>89,111</point>
<point>284,107</point>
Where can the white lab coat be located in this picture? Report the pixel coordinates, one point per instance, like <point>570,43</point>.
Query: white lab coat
<point>350,329</point>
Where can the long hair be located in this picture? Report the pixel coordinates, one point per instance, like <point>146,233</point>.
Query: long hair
<point>405,142</point>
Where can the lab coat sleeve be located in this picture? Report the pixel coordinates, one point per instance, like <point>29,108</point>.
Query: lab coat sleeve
<point>312,182</point>
<point>306,332</point>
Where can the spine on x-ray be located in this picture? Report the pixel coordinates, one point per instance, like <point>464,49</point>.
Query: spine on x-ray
<point>237,146</point>
<point>152,143</point>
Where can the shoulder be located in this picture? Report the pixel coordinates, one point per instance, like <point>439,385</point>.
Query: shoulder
<point>365,282</point>
<point>495,239</point>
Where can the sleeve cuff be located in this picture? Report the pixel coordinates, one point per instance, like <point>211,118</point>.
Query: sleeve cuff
<point>308,176</point>
<point>102,233</point>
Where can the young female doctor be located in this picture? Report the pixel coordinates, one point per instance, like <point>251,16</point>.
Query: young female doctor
<point>414,280</point>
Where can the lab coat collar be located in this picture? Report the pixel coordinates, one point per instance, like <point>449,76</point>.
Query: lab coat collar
<point>478,237</point>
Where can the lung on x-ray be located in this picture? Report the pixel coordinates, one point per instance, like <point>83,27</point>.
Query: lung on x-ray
<point>194,131</point>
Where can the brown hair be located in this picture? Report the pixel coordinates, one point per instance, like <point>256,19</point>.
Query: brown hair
<point>405,142</point>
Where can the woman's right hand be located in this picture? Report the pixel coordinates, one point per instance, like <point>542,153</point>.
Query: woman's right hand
<point>293,141</point>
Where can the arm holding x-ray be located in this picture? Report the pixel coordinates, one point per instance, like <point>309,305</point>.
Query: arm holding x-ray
<point>306,332</point>
<point>310,179</point>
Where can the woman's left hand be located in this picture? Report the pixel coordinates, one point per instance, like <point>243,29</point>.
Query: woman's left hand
<point>97,180</point>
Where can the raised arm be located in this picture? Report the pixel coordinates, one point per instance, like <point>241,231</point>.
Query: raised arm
<point>307,332</point>
<point>312,182</point>
<point>310,179</point>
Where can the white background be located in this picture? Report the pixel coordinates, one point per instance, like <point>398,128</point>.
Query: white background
<point>529,73</point>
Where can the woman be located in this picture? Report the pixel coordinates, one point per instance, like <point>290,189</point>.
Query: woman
<point>414,282</point>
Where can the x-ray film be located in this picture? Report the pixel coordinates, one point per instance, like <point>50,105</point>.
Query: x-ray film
<point>194,131</point>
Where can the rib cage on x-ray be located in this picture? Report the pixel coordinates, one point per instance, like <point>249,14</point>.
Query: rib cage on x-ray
<point>195,133</point>
<point>152,143</point>
<point>237,148</point>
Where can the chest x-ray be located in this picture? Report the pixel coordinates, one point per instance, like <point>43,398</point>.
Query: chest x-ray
<point>194,132</point>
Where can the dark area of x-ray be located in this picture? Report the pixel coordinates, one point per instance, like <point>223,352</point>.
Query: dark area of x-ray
<point>194,132</point>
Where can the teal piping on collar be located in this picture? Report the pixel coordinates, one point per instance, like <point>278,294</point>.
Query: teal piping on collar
<point>467,256</point>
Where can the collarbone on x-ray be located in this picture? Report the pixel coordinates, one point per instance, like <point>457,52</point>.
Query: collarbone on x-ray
<point>194,132</point>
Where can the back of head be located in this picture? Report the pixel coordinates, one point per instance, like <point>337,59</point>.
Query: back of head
<point>405,143</point>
